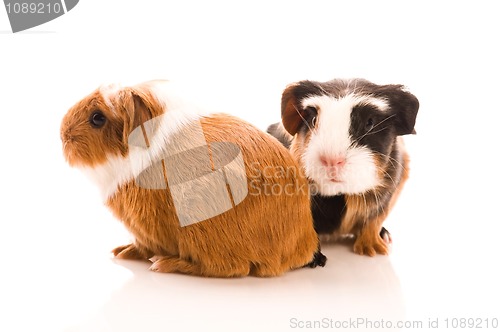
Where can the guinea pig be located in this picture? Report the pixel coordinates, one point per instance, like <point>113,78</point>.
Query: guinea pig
<point>346,135</point>
<point>178,178</point>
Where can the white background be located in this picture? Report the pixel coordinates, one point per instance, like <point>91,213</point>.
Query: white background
<point>56,273</point>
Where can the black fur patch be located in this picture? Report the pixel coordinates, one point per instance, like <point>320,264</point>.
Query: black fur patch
<point>383,232</point>
<point>372,128</point>
<point>318,259</point>
<point>328,212</point>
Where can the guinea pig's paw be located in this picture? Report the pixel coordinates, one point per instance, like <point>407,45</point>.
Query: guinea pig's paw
<point>163,264</point>
<point>318,260</point>
<point>129,251</point>
<point>386,236</point>
<point>370,245</point>
<point>172,264</point>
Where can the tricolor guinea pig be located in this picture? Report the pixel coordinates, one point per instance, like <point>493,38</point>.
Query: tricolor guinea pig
<point>346,135</point>
<point>178,178</point>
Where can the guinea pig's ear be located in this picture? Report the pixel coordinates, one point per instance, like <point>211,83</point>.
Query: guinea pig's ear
<point>405,105</point>
<point>292,112</point>
<point>137,110</point>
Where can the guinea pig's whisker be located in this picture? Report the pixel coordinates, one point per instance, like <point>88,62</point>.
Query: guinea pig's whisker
<point>318,206</point>
<point>374,132</point>
<point>370,132</point>
<point>304,120</point>
<point>384,120</point>
<point>377,202</point>
<point>380,207</point>
<point>390,178</point>
<point>391,159</point>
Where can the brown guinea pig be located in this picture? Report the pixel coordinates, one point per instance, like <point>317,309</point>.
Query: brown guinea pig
<point>346,136</point>
<point>178,178</point>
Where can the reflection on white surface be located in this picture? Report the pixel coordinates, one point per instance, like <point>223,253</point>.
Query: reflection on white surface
<point>350,286</point>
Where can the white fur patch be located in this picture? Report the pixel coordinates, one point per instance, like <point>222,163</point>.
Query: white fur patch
<point>179,115</point>
<point>331,139</point>
<point>110,175</point>
<point>108,92</point>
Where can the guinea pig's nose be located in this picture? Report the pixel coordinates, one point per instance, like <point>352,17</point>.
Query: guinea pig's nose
<point>65,135</point>
<point>337,161</point>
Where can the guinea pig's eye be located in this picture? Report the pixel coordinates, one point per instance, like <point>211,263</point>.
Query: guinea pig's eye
<point>97,119</point>
<point>369,124</point>
<point>312,114</point>
<point>313,121</point>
